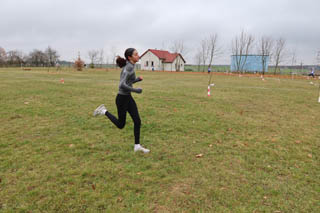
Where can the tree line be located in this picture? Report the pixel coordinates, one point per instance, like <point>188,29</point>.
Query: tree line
<point>50,57</point>
<point>243,45</point>
<point>207,52</point>
<point>36,58</point>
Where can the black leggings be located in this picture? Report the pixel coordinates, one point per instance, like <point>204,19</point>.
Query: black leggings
<point>125,103</point>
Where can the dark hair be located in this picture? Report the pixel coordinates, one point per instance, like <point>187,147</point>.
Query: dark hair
<point>121,62</point>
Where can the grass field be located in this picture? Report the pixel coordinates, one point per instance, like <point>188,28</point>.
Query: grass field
<point>226,68</point>
<point>258,143</point>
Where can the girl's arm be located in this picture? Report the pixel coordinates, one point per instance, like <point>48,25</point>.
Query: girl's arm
<point>137,79</point>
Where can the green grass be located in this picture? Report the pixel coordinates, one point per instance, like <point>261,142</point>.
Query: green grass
<point>226,68</point>
<point>259,140</point>
<point>204,68</point>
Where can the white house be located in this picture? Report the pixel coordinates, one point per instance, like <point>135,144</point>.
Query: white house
<point>162,60</point>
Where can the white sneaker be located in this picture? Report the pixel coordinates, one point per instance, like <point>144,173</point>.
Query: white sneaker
<point>101,110</point>
<point>138,147</point>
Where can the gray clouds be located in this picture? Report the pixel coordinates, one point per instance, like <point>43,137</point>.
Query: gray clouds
<point>71,26</point>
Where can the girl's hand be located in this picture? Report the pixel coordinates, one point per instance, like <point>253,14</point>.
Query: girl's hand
<point>141,78</point>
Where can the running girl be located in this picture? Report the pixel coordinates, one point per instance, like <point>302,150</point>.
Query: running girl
<point>124,101</point>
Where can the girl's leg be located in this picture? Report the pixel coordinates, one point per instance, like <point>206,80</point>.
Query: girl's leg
<point>133,111</point>
<point>122,106</point>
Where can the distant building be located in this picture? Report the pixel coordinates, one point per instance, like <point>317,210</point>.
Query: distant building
<point>162,60</point>
<point>249,63</point>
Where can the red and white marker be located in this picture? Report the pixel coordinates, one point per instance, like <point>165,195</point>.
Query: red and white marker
<point>209,92</point>
<point>62,80</point>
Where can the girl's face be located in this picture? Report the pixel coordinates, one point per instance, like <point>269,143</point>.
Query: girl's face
<point>134,58</point>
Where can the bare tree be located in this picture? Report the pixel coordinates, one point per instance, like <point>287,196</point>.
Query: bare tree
<point>107,60</point>
<point>37,58</point>
<point>279,53</point>
<point>114,54</point>
<point>52,56</point>
<point>93,56</point>
<point>179,48</point>
<point>3,57</point>
<point>26,59</point>
<point>204,52</point>
<point>101,57</point>
<point>293,58</point>
<point>264,49</point>
<point>241,47</point>
<point>318,58</point>
<point>198,58</point>
<point>14,58</point>
<point>213,49</point>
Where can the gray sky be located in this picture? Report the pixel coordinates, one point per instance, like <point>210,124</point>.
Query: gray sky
<point>70,27</point>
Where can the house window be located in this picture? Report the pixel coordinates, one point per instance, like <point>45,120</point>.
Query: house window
<point>147,64</point>
<point>152,63</point>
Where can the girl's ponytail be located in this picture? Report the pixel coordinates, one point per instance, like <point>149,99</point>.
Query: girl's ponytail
<point>121,62</point>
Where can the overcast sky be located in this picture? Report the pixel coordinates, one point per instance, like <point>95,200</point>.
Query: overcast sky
<point>72,26</point>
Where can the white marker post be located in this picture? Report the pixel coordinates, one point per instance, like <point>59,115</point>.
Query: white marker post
<point>209,89</point>
<point>209,83</point>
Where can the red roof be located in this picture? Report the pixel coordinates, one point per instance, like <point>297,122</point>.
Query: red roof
<point>166,56</point>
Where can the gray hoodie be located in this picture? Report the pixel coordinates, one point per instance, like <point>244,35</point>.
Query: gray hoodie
<point>127,78</point>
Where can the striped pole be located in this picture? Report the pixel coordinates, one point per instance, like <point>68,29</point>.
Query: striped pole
<point>209,89</point>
